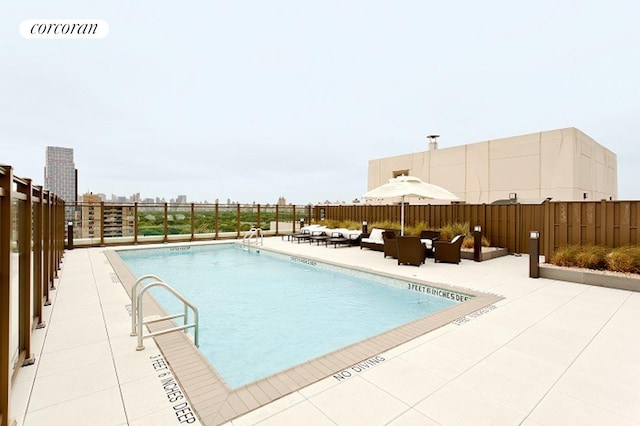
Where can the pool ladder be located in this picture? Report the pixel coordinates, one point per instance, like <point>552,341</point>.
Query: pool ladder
<point>255,233</point>
<point>137,316</point>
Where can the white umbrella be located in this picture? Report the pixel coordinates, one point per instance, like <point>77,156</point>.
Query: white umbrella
<point>409,186</point>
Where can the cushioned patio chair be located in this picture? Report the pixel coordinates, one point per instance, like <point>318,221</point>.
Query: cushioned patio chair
<point>411,251</point>
<point>448,251</point>
<point>390,244</point>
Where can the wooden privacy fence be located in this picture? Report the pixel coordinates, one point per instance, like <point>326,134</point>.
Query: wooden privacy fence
<point>608,223</point>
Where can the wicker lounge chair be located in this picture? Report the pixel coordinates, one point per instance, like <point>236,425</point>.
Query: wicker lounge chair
<point>448,251</point>
<point>390,244</point>
<point>304,235</point>
<point>318,237</point>
<point>411,251</point>
<point>337,238</point>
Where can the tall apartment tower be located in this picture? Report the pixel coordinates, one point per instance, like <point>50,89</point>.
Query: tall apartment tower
<point>60,173</point>
<point>60,177</point>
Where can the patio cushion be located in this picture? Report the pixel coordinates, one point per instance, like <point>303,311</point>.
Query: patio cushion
<point>376,235</point>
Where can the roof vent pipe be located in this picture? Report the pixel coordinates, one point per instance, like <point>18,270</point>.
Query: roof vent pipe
<point>433,142</point>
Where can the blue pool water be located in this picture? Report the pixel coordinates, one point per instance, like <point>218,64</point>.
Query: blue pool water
<point>262,312</point>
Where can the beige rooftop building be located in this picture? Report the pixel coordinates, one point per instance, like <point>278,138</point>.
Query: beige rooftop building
<point>563,164</point>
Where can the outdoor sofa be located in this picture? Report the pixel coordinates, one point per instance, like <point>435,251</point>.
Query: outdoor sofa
<point>374,240</point>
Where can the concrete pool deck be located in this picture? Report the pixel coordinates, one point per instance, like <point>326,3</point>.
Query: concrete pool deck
<point>549,353</point>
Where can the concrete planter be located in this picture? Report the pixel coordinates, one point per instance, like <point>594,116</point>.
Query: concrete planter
<point>486,253</point>
<point>608,279</point>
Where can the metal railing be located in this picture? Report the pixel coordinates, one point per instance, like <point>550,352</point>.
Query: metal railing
<point>31,251</point>
<point>104,223</point>
<point>137,312</point>
<point>254,233</point>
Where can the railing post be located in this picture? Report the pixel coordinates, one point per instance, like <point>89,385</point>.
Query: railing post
<point>193,221</point>
<point>135,223</point>
<point>217,220</point>
<point>26,281</point>
<point>259,225</point>
<point>294,218</point>
<point>238,220</point>
<point>38,280</point>
<point>166,223</point>
<point>102,223</point>
<point>6,218</point>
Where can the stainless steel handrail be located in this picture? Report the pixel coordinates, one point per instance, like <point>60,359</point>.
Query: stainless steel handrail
<point>134,299</point>
<point>185,315</point>
<point>253,232</point>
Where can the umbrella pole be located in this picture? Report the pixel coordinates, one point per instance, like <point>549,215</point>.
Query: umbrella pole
<point>402,217</point>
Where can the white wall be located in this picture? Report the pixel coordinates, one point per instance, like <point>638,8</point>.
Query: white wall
<point>562,164</point>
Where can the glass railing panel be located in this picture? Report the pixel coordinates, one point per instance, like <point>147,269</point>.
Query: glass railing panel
<point>204,220</point>
<point>150,222</point>
<point>179,220</point>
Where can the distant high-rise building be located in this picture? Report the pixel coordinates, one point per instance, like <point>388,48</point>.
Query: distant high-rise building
<point>61,177</point>
<point>60,173</point>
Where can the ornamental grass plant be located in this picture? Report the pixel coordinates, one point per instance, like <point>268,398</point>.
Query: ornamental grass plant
<point>347,224</point>
<point>622,259</point>
<point>447,232</point>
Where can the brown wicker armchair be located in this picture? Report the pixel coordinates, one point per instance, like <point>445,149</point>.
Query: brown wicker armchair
<point>390,244</point>
<point>411,251</point>
<point>448,251</point>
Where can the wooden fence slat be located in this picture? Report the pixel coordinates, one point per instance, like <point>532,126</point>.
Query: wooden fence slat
<point>608,223</point>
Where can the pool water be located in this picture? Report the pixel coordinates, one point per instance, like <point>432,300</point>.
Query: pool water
<point>262,312</point>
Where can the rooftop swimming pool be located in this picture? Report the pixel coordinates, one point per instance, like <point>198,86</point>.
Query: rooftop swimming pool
<point>262,312</point>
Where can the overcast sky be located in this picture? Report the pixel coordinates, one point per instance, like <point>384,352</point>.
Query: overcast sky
<point>252,100</point>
